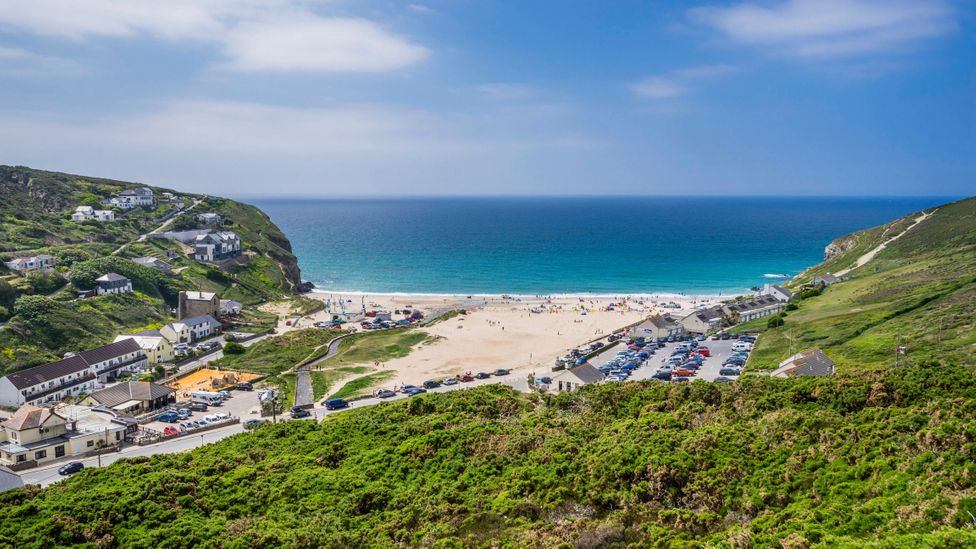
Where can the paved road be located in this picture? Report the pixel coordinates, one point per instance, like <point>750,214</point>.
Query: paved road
<point>303,377</point>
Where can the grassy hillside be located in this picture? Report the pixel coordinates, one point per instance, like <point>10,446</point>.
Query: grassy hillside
<point>920,290</point>
<point>880,460</point>
<point>35,217</point>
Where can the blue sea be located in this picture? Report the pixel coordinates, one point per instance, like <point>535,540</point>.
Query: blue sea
<point>568,246</point>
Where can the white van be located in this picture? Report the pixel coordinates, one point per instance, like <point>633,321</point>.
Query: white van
<point>206,397</point>
<point>742,346</point>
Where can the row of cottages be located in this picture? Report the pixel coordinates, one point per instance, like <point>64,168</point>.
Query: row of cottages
<point>213,247</point>
<point>133,198</point>
<point>751,309</point>
<point>190,330</point>
<point>72,376</point>
<point>36,435</point>
<point>87,213</point>
<point>657,326</point>
<point>43,263</point>
<point>154,263</point>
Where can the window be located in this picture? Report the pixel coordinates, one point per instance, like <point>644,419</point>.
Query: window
<point>59,451</point>
<point>21,458</point>
<point>40,454</point>
<point>91,443</point>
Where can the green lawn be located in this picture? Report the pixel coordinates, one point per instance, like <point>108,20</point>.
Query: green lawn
<point>324,380</point>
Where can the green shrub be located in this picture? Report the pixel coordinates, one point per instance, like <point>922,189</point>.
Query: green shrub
<point>234,348</point>
<point>792,306</point>
<point>775,322</point>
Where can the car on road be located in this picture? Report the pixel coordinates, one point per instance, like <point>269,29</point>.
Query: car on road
<point>385,393</point>
<point>298,412</point>
<point>432,384</point>
<point>252,424</point>
<point>71,468</point>
<point>482,375</point>
<point>407,388</point>
<point>465,378</point>
<point>450,381</point>
<point>170,431</point>
<point>500,372</point>
<point>244,386</point>
<point>336,404</point>
<point>416,391</point>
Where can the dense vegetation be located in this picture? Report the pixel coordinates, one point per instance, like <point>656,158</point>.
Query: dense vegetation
<point>879,459</point>
<point>919,292</point>
<point>35,217</point>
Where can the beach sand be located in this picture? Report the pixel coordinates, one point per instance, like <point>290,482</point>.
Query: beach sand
<point>505,333</point>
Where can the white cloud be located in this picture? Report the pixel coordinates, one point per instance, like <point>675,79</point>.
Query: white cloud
<point>253,35</point>
<point>680,82</point>
<point>830,28</point>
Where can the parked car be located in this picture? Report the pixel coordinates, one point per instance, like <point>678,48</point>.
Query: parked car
<point>679,379</point>
<point>187,425</point>
<point>450,381</point>
<point>385,393</point>
<point>467,377</point>
<point>416,391</point>
<point>170,431</point>
<point>723,379</point>
<point>683,372</point>
<point>703,351</point>
<point>252,424</point>
<point>482,375</point>
<point>432,384</point>
<point>407,388</point>
<point>198,407</point>
<point>244,386</point>
<point>168,417</point>
<point>500,372</point>
<point>546,380</point>
<point>183,413</point>
<point>729,372</point>
<point>297,412</point>
<point>71,468</point>
<point>336,404</point>
<point>664,375</point>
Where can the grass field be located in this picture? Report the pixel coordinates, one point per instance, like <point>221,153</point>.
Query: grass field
<point>362,386</point>
<point>324,380</point>
<point>377,346</point>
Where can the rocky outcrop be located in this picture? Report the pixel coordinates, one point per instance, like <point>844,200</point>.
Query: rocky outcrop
<point>839,247</point>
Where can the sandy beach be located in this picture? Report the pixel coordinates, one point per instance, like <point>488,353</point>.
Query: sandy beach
<point>521,333</point>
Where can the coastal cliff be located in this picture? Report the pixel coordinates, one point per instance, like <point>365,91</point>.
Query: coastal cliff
<point>43,319</point>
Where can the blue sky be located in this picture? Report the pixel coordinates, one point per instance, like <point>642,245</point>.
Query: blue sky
<point>305,97</point>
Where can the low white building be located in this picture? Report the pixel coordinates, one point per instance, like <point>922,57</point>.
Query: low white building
<point>229,307</point>
<point>133,198</point>
<point>573,378</point>
<point>208,218</point>
<point>42,263</point>
<point>87,213</point>
<point>751,309</point>
<point>154,263</point>
<point>776,292</point>
<point>656,326</point>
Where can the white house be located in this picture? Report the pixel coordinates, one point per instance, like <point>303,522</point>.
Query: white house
<point>776,291</point>
<point>112,283</point>
<point>208,218</point>
<point>191,329</point>
<point>43,262</point>
<point>87,213</point>
<point>751,309</point>
<point>132,198</point>
<point>108,361</point>
<point>656,326</point>
<point>216,246</point>
<point>573,378</point>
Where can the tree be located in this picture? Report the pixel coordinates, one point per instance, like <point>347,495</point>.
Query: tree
<point>234,348</point>
<point>775,322</point>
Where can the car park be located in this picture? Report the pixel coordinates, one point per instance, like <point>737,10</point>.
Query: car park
<point>337,403</point>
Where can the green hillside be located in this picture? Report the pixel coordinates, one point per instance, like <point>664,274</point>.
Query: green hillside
<point>35,217</point>
<point>880,460</point>
<point>920,291</point>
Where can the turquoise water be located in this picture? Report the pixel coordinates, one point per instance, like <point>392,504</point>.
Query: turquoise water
<point>604,246</point>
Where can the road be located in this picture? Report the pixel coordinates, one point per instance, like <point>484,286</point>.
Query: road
<point>303,377</point>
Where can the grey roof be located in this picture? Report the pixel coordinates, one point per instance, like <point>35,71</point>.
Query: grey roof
<point>29,417</point>
<point>110,351</point>
<point>585,372</point>
<point>110,277</point>
<point>149,333</point>
<point>133,390</point>
<point>811,362</point>
<point>198,320</point>
<point>47,372</point>
<point>9,480</point>
<point>759,302</point>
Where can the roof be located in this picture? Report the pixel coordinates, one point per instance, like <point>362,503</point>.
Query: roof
<point>828,278</point>
<point>200,296</point>
<point>759,302</point>
<point>110,351</point>
<point>9,480</point>
<point>142,391</point>
<point>47,372</point>
<point>29,416</point>
<point>198,320</point>
<point>146,341</point>
<point>585,373</point>
<point>142,191</point>
<point>111,277</point>
<point>810,362</point>
<point>149,261</point>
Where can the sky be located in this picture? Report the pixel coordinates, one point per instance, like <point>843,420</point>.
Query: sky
<point>477,97</point>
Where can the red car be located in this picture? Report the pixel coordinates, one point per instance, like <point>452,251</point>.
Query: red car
<point>170,430</point>
<point>683,372</point>
<point>465,378</point>
<point>703,351</point>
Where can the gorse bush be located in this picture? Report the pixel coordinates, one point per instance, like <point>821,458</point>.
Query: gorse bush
<point>876,459</point>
